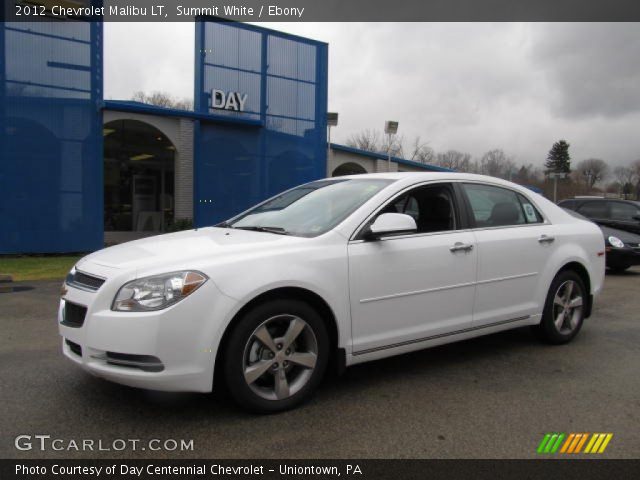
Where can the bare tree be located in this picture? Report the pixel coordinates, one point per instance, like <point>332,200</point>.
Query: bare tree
<point>395,148</point>
<point>421,152</point>
<point>454,160</point>
<point>377,142</point>
<point>613,187</point>
<point>625,176</point>
<point>635,166</point>
<point>496,164</point>
<point>368,140</point>
<point>593,170</point>
<point>528,174</point>
<point>162,99</point>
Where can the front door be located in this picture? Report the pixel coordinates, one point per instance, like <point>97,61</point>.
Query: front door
<point>412,287</point>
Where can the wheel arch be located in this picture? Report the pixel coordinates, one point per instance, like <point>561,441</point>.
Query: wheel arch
<point>337,357</point>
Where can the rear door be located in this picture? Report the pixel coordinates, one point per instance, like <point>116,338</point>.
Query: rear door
<point>514,245</point>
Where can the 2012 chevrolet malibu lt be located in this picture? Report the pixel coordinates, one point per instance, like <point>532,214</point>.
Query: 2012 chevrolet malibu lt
<point>331,273</point>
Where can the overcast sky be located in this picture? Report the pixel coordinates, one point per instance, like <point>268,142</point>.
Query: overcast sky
<point>470,87</point>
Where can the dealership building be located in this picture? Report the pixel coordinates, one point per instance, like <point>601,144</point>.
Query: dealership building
<point>78,171</point>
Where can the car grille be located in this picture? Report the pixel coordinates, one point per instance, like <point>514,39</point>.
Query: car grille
<point>74,347</point>
<point>84,281</point>
<point>73,315</point>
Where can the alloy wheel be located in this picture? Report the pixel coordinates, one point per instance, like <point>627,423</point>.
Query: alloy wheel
<point>280,357</point>
<point>567,307</point>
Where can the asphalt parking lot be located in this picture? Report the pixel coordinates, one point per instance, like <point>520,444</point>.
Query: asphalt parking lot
<point>492,397</point>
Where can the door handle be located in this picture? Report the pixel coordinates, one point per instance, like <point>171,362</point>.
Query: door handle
<point>461,247</point>
<point>546,239</point>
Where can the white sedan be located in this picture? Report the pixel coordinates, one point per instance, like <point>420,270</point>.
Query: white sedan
<point>330,274</point>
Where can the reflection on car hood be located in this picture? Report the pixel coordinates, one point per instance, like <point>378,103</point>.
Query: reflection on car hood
<point>184,246</point>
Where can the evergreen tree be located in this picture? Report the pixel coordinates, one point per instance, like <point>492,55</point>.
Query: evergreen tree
<point>558,160</point>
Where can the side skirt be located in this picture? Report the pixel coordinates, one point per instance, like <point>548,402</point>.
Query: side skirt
<point>440,339</point>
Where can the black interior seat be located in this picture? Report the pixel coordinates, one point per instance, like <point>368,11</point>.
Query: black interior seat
<point>435,214</point>
<point>504,213</point>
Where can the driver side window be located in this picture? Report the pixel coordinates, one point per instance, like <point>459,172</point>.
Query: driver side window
<point>432,207</point>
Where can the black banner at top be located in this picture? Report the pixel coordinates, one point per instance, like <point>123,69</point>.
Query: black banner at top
<point>325,10</point>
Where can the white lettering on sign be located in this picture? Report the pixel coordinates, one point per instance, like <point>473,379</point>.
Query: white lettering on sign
<point>228,100</point>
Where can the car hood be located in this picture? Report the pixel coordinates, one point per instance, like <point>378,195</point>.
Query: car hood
<point>626,237</point>
<point>191,246</point>
<point>631,227</point>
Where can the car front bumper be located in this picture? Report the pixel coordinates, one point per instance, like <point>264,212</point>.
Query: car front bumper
<point>172,349</point>
<point>626,256</point>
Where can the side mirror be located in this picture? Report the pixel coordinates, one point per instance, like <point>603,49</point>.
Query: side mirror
<point>391,224</point>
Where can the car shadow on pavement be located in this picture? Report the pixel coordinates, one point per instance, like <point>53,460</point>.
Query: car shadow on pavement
<point>442,361</point>
<point>626,273</point>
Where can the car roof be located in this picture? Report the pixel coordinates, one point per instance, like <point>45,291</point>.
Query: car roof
<point>593,199</point>
<point>425,176</point>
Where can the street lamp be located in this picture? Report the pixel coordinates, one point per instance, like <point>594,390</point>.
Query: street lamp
<point>390,128</point>
<point>332,121</point>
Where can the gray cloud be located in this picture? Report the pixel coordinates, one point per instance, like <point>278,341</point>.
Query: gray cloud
<point>470,87</point>
<point>593,67</point>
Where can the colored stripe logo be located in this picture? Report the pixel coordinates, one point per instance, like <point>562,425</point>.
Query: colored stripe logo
<point>574,443</point>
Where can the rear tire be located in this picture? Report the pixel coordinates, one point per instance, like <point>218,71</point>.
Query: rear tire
<point>564,309</point>
<point>276,356</point>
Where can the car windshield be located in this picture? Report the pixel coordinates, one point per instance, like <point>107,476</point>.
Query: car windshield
<point>310,209</point>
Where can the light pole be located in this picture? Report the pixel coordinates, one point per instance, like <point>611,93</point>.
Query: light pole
<point>556,176</point>
<point>332,121</point>
<point>390,128</point>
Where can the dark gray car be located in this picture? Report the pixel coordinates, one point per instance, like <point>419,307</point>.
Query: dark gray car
<point>622,246</point>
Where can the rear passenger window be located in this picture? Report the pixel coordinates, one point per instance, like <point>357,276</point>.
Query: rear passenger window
<point>531,213</point>
<point>495,206</point>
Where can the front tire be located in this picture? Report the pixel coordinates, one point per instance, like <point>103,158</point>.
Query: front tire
<point>564,309</point>
<point>276,356</point>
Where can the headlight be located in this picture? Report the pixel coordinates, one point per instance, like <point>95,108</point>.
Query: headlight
<point>157,292</point>
<point>615,242</point>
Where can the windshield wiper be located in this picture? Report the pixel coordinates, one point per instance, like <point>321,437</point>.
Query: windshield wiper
<point>276,230</point>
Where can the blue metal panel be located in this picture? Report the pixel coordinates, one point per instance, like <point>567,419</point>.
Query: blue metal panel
<point>51,137</point>
<point>285,78</point>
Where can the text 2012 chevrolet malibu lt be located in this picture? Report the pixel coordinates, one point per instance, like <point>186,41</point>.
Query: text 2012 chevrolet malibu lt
<point>334,272</point>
